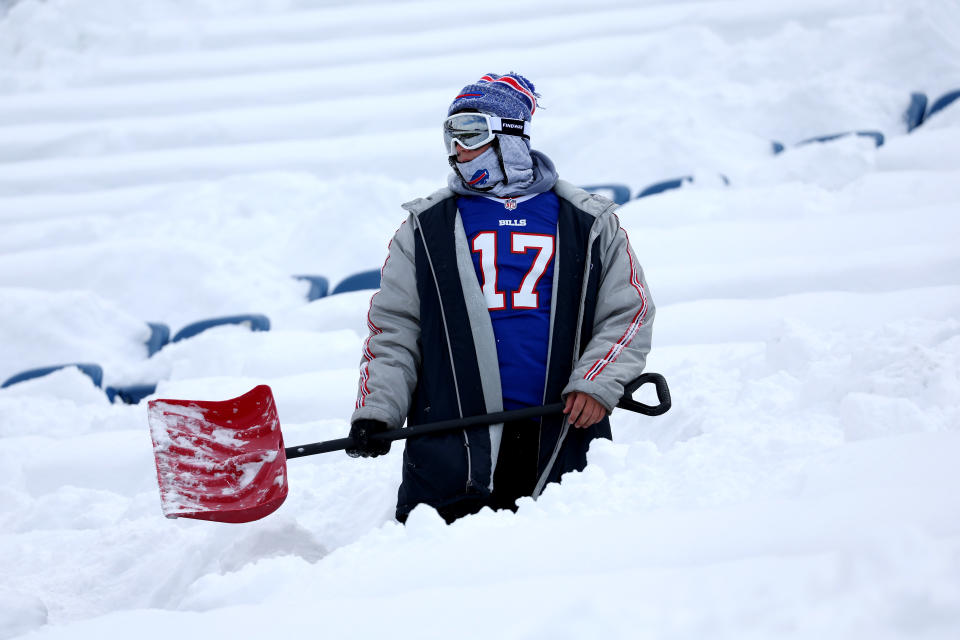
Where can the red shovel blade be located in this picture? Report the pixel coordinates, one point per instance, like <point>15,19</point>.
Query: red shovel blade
<point>221,461</point>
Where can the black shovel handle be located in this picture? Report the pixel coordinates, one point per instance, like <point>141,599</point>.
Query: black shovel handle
<point>626,402</point>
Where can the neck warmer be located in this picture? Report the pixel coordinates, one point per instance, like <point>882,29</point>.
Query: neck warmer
<point>523,171</point>
<point>482,174</point>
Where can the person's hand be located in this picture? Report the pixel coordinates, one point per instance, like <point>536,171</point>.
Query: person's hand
<point>583,410</point>
<point>364,446</point>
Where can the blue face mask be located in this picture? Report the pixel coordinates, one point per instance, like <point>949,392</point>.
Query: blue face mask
<point>482,173</point>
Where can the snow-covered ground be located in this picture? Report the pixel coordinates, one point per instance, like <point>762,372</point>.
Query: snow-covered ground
<point>173,161</point>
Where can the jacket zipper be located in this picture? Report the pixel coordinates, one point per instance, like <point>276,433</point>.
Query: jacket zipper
<point>542,480</point>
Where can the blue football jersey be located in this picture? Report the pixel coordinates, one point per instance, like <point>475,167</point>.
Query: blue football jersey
<point>513,254</point>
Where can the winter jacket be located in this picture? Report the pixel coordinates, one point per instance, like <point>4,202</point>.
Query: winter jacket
<point>431,355</point>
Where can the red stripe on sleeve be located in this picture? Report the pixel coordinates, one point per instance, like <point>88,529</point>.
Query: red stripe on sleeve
<point>635,324</point>
<point>368,355</point>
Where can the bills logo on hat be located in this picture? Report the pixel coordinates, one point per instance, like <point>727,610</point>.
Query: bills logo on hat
<point>479,178</point>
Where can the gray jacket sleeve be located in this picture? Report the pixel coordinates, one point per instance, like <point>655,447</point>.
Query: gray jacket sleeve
<point>623,323</point>
<point>391,356</point>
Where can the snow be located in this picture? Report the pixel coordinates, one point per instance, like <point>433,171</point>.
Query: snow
<point>170,162</point>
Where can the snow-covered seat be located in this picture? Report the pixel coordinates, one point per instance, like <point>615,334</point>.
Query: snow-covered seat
<point>942,102</point>
<point>93,371</point>
<point>913,116</point>
<point>708,180</point>
<point>878,138</point>
<point>359,281</point>
<point>159,336</point>
<point>666,185</point>
<point>619,193</point>
<point>130,394</point>
<point>254,321</point>
<point>319,286</point>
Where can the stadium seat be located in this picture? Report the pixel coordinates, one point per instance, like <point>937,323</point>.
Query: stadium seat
<point>876,135</point>
<point>255,322</point>
<point>619,193</point>
<point>93,371</point>
<point>913,116</point>
<point>159,336</point>
<point>359,281</point>
<point>132,394</point>
<point>319,287</point>
<point>666,185</point>
<point>942,102</point>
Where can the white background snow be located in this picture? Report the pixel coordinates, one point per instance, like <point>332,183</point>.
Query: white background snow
<point>174,161</point>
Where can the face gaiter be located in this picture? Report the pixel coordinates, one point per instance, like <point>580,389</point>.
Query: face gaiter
<point>483,173</point>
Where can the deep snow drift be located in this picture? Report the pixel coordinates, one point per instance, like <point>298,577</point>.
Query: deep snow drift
<point>170,162</point>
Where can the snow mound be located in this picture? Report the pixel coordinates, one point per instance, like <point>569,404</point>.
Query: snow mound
<point>173,162</point>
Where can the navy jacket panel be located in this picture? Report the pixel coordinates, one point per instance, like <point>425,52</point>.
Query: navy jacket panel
<point>450,385</point>
<point>442,468</point>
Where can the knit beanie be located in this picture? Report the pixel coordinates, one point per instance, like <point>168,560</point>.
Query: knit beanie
<point>507,96</point>
<point>509,168</point>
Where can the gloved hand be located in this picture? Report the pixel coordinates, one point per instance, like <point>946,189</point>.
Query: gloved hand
<point>360,431</point>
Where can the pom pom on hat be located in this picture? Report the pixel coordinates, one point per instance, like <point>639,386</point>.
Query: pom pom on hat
<point>506,96</point>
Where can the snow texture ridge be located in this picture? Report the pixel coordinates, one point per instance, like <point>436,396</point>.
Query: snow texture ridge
<point>171,162</point>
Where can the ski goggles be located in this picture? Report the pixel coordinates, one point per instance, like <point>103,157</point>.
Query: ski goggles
<point>473,130</point>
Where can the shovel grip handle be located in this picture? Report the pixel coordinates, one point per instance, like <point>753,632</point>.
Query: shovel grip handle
<point>663,395</point>
<point>626,402</point>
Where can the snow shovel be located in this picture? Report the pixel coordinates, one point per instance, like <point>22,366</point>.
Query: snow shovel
<point>225,460</point>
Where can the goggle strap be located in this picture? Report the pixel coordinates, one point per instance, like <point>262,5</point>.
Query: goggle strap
<point>510,127</point>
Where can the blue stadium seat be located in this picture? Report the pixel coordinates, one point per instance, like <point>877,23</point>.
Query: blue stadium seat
<point>666,185</point>
<point>619,193</point>
<point>319,287</point>
<point>159,336</point>
<point>93,371</point>
<point>913,116</point>
<point>255,322</point>
<point>131,394</point>
<point>942,102</point>
<point>359,281</point>
<point>876,135</point>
